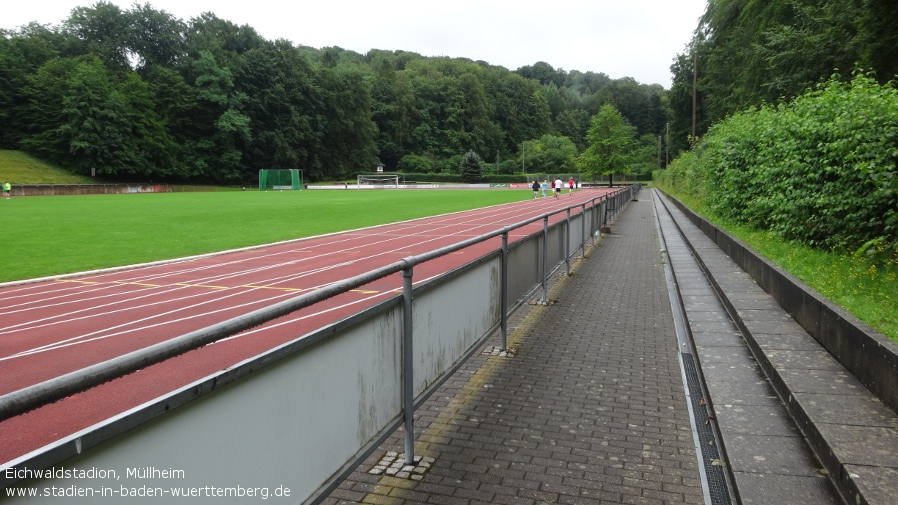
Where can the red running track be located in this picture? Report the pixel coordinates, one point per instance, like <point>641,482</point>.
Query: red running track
<point>58,326</point>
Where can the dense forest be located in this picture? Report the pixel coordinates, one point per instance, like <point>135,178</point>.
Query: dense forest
<point>746,53</point>
<point>139,94</point>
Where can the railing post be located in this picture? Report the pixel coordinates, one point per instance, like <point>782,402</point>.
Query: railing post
<point>504,301</point>
<point>408,384</point>
<point>593,220</point>
<point>545,259</point>
<point>604,211</point>
<point>567,242</point>
<point>583,230</point>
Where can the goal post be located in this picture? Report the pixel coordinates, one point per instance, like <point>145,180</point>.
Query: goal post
<point>379,181</point>
<point>278,179</point>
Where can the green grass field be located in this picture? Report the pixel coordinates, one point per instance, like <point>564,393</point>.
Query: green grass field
<point>63,234</point>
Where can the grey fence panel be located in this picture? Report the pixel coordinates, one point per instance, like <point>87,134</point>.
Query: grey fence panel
<point>590,216</point>
<point>450,320</point>
<point>556,244</point>
<point>524,267</point>
<point>576,233</point>
<point>285,428</point>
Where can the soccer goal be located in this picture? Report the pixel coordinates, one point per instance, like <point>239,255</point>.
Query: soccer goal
<point>279,179</point>
<point>379,181</point>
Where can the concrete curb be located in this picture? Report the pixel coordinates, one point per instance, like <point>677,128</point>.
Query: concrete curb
<point>836,376</point>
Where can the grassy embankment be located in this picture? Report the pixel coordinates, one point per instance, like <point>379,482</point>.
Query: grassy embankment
<point>17,167</point>
<point>862,287</point>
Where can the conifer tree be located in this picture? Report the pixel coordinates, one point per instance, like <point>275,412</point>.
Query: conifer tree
<point>470,168</point>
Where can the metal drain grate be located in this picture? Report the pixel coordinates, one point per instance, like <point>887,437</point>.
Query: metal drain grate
<point>710,457</point>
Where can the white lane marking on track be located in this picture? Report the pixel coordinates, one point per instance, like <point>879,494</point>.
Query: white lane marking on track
<point>107,313</point>
<point>23,307</point>
<point>169,290</point>
<point>315,314</point>
<point>81,339</point>
<point>85,337</point>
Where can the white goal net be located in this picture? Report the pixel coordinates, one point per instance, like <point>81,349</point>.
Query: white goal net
<point>380,181</point>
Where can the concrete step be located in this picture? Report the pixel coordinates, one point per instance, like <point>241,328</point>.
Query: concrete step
<point>853,435</point>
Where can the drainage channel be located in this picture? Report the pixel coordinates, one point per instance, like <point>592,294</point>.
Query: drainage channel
<point>712,467</point>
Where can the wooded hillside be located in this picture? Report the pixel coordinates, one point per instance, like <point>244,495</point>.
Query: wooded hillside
<point>140,94</point>
<point>748,52</point>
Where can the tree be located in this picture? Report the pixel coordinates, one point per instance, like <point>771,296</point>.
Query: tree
<point>157,37</point>
<point>573,124</point>
<point>222,128</point>
<point>470,168</point>
<point>610,139</point>
<point>344,119</point>
<point>105,31</point>
<point>282,101</point>
<point>148,149</point>
<point>542,72</point>
<point>22,53</point>
<point>646,154</point>
<point>551,154</point>
<point>751,52</point>
<point>86,120</point>
<point>680,99</point>
<point>415,163</point>
<point>62,96</point>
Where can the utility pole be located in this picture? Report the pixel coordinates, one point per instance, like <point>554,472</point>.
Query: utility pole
<point>667,148</point>
<point>523,154</point>
<point>694,92</point>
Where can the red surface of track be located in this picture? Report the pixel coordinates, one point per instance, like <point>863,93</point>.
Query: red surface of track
<point>59,326</point>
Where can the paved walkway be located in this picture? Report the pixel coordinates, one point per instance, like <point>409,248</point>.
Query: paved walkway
<point>594,406</point>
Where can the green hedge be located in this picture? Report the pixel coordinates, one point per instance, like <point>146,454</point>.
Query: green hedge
<point>820,169</point>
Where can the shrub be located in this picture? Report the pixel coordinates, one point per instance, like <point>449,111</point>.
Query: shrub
<point>820,170</point>
<point>415,163</point>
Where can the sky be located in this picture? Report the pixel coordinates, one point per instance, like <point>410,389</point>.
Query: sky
<point>620,38</point>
